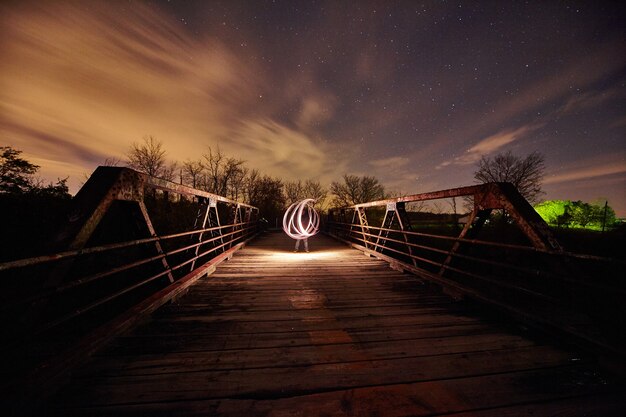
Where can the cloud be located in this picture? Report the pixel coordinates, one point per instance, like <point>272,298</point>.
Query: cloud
<point>80,83</point>
<point>281,151</point>
<point>73,79</point>
<point>578,73</point>
<point>489,145</point>
<point>587,172</point>
<point>316,109</point>
<point>390,163</point>
<point>619,123</point>
<point>591,99</point>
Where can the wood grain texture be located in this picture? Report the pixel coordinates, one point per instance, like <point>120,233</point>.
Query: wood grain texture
<point>330,333</point>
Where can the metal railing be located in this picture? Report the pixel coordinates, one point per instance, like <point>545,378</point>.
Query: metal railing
<point>117,264</point>
<point>519,268</point>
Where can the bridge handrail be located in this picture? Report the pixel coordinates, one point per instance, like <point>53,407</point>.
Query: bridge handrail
<point>563,253</point>
<point>539,283</point>
<point>48,296</point>
<point>36,260</point>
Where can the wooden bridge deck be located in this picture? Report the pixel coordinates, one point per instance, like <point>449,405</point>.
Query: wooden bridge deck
<point>328,333</point>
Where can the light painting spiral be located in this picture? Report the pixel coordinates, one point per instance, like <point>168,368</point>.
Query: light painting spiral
<point>301,220</point>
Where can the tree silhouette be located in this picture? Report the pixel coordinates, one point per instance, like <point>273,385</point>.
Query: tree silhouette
<point>526,174</point>
<point>355,190</point>
<point>297,190</point>
<point>15,173</point>
<point>148,157</point>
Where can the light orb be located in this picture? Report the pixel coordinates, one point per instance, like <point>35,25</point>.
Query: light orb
<point>301,220</point>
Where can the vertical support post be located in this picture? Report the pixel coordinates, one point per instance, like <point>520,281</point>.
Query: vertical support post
<point>157,243</point>
<point>210,203</point>
<point>246,219</point>
<point>405,225</point>
<point>470,230</point>
<point>386,224</point>
<point>216,223</point>
<point>236,218</point>
<point>353,224</point>
<point>364,226</point>
<point>395,211</point>
<point>342,227</point>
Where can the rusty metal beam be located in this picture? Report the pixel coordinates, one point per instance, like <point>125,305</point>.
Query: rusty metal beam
<point>505,196</point>
<point>108,184</point>
<point>495,195</point>
<point>161,184</point>
<point>435,195</point>
<point>157,243</point>
<point>105,185</point>
<point>472,227</point>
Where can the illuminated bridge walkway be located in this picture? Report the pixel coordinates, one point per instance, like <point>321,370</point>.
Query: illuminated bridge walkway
<point>327,333</point>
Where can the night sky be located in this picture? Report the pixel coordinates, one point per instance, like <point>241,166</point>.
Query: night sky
<point>413,93</point>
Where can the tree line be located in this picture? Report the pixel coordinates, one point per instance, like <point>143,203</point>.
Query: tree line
<point>229,176</point>
<point>213,171</point>
<point>577,214</point>
<point>18,177</point>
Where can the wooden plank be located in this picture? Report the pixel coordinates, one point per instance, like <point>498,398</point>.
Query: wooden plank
<point>199,325</point>
<point>302,380</point>
<point>566,387</point>
<point>322,348</point>
<point>200,342</point>
<point>273,333</point>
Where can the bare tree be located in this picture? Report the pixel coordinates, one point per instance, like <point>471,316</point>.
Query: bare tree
<point>294,191</point>
<point>192,172</point>
<point>250,186</point>
<point>452,203</point>
<point>221,171</point>
<point>355,190</point>
<point>111,162</point>
<point>148,157</point>
<point>313,189</point>
<point>526,174</point>
<point>266,193</point>
<point>297,190</point>
<point>436,207</point>
<point>169,171</point>
<point>416,206</point>
<point>236,183</point>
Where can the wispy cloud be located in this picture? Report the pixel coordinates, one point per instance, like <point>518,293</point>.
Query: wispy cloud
<point>582,73</point>
<point>98,80</point>
<point>282,151</point>
<point>489,145</point>
<point>584,172</point>
<point>390,163</point>
<point>315,109</point>
<point>592,98</point>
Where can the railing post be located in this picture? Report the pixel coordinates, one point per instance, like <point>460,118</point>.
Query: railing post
<point>395,211</point>
<point>157,244</point>
<point>364,226</point>
<point>212,219</point>
<point>405,225</point>
<point>386,224</point>
<point>477,219</point>
<point>236,218</point>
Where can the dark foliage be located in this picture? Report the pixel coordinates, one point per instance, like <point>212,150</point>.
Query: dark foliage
<point>30,221</point>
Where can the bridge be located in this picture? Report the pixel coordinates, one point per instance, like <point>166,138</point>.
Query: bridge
<point>165,300</point>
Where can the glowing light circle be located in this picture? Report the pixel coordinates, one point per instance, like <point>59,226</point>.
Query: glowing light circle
<point>301,220</point>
